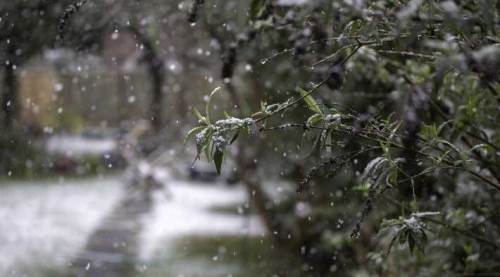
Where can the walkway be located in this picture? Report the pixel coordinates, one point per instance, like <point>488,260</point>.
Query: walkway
<point>113,247</point>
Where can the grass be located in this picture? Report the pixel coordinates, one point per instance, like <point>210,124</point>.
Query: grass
<point>234,209</point>
<point>36,268</point>
<point>226,255</point>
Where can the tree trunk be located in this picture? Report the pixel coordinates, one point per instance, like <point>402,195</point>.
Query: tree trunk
<point>156,71</point>
<point>248,176</point>
<point>9,98</point>
<point>121,95</point>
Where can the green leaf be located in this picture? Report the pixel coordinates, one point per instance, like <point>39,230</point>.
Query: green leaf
<point>263,105</point>
<point>443,125</point>
<point>391,244</point>
<point>333,110</point>
<point>392,176</point>
<point>395,129</point>
<point>257,7</point>
<point>362,187</point>
<point>403,236</point>
<point>199,116</point>
<point>209,103</point>
<point>235,136</point>
<point>411,242</point>
<point>429,131</point>
<point>218,157</point>
<point>193,132</point>
<point>391,222</point>
<point>303,138</point>
<point>385,148</point>
<point>258,115</point>
<point>423,241</point>
<point>203,145</point>
<point>314,119</point>
<point>311,103</point>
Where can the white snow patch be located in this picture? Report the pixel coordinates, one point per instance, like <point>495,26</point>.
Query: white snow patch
<point>44,224</point>
<point>292,2</point>
<point>77,145</point>
<point>187,213</point>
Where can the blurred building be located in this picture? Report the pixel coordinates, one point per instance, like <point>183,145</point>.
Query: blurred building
<point>63,90</point>
<point>37,97</point>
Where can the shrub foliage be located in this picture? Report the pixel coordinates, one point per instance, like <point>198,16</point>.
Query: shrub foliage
<point>391,111</point>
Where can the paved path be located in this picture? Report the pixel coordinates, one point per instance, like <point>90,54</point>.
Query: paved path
<point>95,226</point>
<point>113,247</point>
<point>140,232</point>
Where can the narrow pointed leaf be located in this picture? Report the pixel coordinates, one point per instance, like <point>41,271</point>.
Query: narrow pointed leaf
<point>311,103</point>
<point>235,136</point>
<point>209,102</point>
<point>193,132</point>
<point>218,156</point>
<point>314,119</point>
<point>199,116</point>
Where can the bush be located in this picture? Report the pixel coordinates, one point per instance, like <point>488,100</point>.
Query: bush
<point>18,155</point>
<point>395,104</point>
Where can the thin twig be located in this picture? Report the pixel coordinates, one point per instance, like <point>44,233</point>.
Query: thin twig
<point>314,89</point>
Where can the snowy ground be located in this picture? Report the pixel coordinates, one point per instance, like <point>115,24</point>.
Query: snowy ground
<point>188,213</point>
<point>44,224</point>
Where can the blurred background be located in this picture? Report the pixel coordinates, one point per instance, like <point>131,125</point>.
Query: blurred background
<point>95,176</point>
